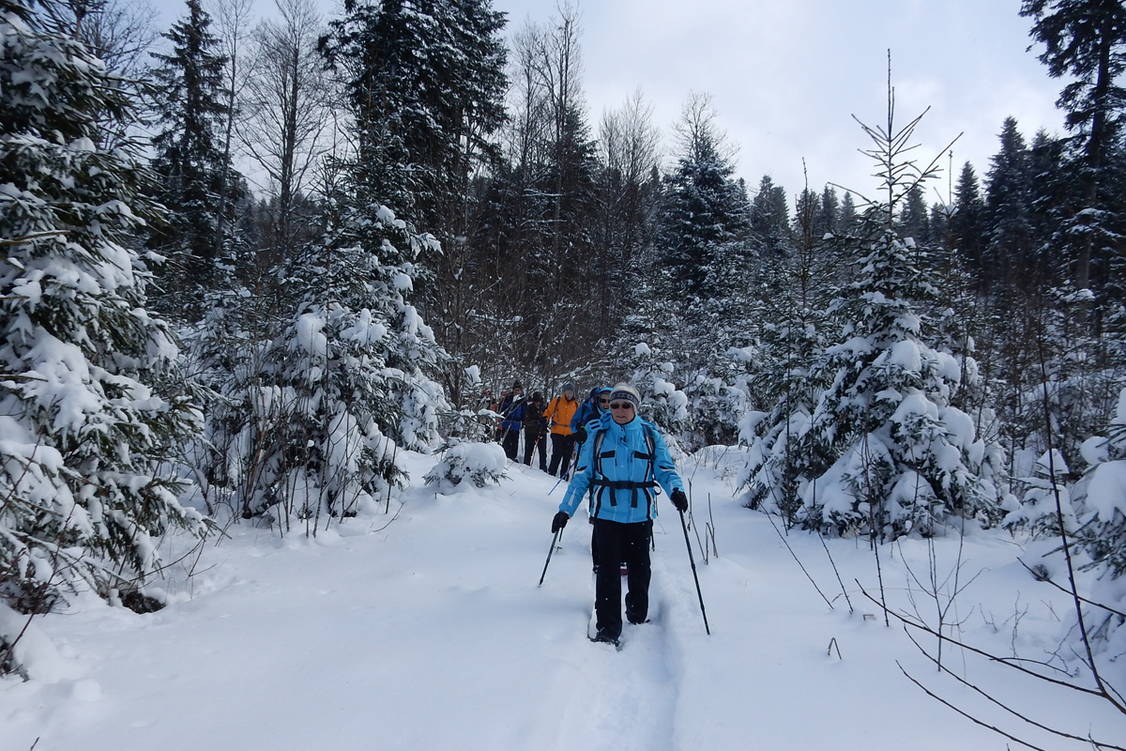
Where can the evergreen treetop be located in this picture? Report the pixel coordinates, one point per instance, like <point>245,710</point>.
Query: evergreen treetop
<point>189,97</point>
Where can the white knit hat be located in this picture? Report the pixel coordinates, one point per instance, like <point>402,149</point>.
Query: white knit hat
<point>627,392</point>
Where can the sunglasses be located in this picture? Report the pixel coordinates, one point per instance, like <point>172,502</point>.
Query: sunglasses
<point>622,405</point>
<point>603,401</point>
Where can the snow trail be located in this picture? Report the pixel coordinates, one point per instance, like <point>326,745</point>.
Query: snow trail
<point>431,633</point>
<point>600,697</point>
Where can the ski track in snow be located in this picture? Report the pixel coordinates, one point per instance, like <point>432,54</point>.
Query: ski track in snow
<point>629,695</point>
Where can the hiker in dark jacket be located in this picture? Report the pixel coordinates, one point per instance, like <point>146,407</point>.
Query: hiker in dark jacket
<point>623,460</point>
<point>512,412</point>
<point>592,408</point>
<point>535,430</point>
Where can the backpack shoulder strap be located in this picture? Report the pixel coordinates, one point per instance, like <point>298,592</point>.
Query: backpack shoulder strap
<point>651,442</point>
<point>596,466</point>
<point>599,435</point>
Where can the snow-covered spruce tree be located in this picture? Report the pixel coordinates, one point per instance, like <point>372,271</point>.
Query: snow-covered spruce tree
<point>704,208</point>
<point>425,81</point>
<point>1049,343</point>
<point>642,344</point>
<point>886,451</point>
<point>83,496</point>
<point>790,309</point>
<point>704,262</point>
<point>1087,516</point>
<point>481,464</point>
<point>770,218</point>
<point>1085,42</point>
<point>661,401</point>
<point>1037,512</point>
<point>188,154</point>
<point>1100,495</point>
<point>319,416</point>
<point>711,369</point>
<point>1008,206</point>
<point>846,222</point>
<point>779,378</point>
<point>914,220</point>
<point>217,350</point>
<point>967,228</point>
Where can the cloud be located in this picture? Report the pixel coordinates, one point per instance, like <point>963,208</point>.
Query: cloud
<point>786,77</point>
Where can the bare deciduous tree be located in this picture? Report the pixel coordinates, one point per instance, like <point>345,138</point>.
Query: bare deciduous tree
<point>629,142</point>
<point>234,17</point>
<point>697,132</point>
<point>285,110</point>
<point>119,32</point>
<point>560,69</point>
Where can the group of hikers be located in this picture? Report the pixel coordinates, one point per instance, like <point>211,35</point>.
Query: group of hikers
<point>622,462</point>
<point>562,418</point>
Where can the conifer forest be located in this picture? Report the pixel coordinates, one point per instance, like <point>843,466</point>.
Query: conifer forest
<point>252,260</point>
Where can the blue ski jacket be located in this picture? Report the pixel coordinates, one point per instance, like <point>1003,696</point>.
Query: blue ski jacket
<point>631,460</point>
<point>513,412</point>
<point>589,409</point>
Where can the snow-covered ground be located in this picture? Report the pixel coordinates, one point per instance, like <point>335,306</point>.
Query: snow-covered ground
<point>430,633</point>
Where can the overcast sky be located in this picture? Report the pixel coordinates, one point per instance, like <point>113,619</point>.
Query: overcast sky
<point>785,75</point>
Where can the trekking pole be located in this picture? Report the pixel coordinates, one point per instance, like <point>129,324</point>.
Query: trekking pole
<point>699,594</point>
<point>549,552</point>
<point>553,487</point>
<point>567,470</point>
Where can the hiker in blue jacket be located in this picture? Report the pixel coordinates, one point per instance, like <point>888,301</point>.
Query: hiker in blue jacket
<point>512,410</point>
<point>623,461</point>
<point>593,407</point>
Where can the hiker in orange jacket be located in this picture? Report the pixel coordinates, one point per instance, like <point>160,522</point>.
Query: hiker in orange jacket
<point>558,414</point>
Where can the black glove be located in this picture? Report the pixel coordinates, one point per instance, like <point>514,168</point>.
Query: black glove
<point>559,521</point>
<point>679,500</point>
<point>580,435</point>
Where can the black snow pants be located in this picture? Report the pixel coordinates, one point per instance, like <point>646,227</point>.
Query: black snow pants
<point>511,441</point>
<point>561,446</point>
<point>615,543</point>
<point>533,442</point>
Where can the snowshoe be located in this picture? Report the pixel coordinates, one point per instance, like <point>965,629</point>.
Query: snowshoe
<point>634,614</point>
<point>603,637</point>
<point>635,617</point>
